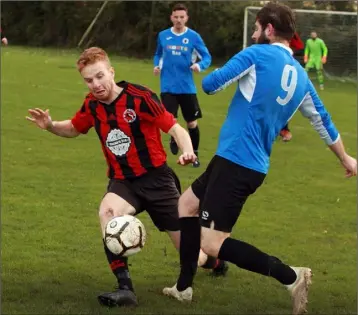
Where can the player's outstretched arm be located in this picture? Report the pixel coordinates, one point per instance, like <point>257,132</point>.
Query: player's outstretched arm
<point>182,138</point>
<point>313,109</point>
<point>349,163</point>
<point>43,120</point>
<point>237,67</point>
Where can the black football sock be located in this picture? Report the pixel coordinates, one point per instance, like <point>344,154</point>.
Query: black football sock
<point>250,258</point>
<point>195,138</point>
<point>286,128</point>
<point>172,140</point>
<point>189,251</point>
<point>119,267</point>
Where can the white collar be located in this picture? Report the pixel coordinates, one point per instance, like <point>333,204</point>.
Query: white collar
<point>283,46</point>
<point>185,30</point>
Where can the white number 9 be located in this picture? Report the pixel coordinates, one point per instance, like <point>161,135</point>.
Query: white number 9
<point>289,88</point>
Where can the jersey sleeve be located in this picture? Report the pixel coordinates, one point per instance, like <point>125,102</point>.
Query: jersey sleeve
<point>152,110</point>
<point>324,48</point>
<point>158,55</point>
<point>83,119</point>
<point>237,67</point>
<point>203,53</point>
<point>307,48</point>
<point>313,109</point>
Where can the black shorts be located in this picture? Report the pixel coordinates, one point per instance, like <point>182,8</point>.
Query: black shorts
<point>188,103</point>
<point>223,190</point>
<point>157,192</point>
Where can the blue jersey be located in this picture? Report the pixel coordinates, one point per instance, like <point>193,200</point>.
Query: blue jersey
<point>175,54</point>
<point>272,86</point>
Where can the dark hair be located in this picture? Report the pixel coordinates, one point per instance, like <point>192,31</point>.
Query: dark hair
<point>280,16</point>
<point>180,7</point>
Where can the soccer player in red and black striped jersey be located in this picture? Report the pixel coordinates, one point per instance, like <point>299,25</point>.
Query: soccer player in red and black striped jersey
<point>127,119</point>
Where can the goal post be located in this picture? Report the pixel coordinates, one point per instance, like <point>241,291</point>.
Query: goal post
<point>338,29</point>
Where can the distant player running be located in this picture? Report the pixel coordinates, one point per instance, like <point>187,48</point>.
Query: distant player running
<point>316,56</point>
<point>175,60</point>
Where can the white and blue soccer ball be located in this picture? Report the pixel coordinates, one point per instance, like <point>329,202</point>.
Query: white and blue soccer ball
<point>125,235</point>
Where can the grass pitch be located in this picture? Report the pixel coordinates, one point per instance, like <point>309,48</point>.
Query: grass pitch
<point>52,255</point>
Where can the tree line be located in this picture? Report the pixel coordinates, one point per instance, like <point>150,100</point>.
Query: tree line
<point>131,27</point>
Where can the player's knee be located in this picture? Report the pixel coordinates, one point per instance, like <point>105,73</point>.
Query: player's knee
<point>208,246</point>
<point>105,211</point>
<point>212,240</point>
<point>192,124</point>
<point>113,205</point>
<point>188,204</point>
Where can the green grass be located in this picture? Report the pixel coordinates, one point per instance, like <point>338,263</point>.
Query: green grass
<point>52,255</point>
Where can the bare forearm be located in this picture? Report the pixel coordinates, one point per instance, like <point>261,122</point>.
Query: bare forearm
<point>338,149</point>
<point>63,129</point>
<point>182,138</point>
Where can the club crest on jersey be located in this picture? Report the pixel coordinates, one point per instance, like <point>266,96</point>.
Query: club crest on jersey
<point>129,115</point>
<point>118,142</point>
<point>185,41</point>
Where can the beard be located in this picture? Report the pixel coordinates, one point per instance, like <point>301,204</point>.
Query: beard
<point>263,39</point>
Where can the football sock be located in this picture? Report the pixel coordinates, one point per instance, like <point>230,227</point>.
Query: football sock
<point>320,76</point>
<point>189,251</point>
<point>250,258</point>
<point>195,138</point>
<point>119,267</point>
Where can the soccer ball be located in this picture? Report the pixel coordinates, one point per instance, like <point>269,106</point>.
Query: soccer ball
<point>125,235</point>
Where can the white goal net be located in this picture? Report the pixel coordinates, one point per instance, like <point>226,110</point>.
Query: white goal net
<point>337,29</point>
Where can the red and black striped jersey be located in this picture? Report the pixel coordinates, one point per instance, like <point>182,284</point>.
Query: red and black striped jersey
<point>128,128</point>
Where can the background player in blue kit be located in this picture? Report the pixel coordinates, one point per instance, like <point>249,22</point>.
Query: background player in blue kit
<point>272,87</point>
<point>175,58</point>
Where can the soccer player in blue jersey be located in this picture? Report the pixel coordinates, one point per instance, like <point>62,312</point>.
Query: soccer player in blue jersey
<point>175,60</point>
<point>272,86</point>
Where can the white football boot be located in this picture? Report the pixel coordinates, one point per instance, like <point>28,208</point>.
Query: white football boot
<point>299,289</point>
<point>182,296</point>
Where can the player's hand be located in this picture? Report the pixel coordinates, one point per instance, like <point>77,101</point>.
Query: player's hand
<point>350,164</point>
<point>187,158</point>
<point>324,59</point>
<point>156,70</point>
<point>4,41</point>
<point>41,118</point>
<point>195,67</point>
<point>305,59</point>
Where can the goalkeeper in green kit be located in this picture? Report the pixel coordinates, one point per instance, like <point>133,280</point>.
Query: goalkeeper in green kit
<point>316,56</point>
